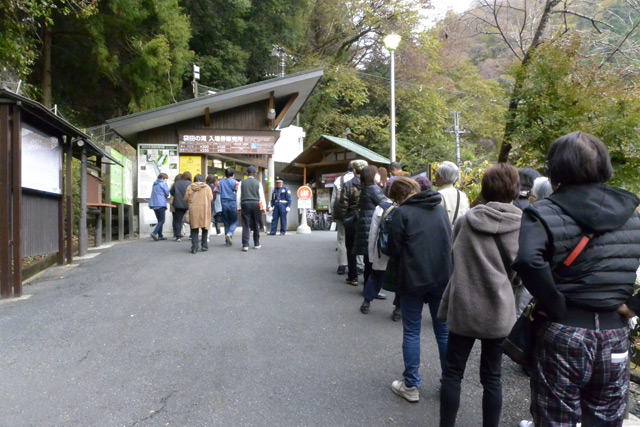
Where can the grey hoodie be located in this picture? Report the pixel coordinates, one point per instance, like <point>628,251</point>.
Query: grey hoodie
<point>479,300</point>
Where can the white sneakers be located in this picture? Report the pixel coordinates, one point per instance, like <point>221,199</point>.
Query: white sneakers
<point>257,247</point>
<point>526,423</point>
<point>245,249</point>
<point>411,394</point>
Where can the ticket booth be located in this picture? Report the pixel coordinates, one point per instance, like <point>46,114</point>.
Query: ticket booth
<point>233,128</point>
<point>326,160</point>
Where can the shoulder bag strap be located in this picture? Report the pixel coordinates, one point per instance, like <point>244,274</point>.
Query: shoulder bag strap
<point>503,253</point>
<point>455,215</point>
<point>578,249</point>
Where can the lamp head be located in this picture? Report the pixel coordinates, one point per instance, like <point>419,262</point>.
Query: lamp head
<point>271,114</point>
<point>391,41</point>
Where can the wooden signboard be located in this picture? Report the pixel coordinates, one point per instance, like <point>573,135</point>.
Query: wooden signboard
<point>207,142</point>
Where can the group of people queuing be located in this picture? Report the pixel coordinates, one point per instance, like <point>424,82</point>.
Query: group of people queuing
<point>567,243</point>
<point>204,203</point>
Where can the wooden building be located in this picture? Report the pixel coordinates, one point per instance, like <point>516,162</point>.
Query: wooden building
<point>326,160</point>
<point>237,127</point>
<point>36,205</point>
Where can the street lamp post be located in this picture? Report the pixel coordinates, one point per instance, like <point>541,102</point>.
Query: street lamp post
<point>391,43</point>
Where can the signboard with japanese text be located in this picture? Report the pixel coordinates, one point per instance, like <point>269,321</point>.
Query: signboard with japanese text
<point>208,142</point>
<point>329,178</point>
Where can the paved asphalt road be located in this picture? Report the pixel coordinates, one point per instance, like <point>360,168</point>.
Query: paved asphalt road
<point>147,334</point>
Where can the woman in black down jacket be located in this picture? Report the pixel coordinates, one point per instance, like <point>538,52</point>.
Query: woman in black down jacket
<point>370,197</point>
<point>580,371</point>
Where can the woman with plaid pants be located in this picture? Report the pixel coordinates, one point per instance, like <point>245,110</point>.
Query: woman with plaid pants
<point>578,257</point>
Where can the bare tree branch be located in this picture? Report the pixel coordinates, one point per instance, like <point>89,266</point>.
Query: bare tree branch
<point>617,49</point>
<point>588,18</point>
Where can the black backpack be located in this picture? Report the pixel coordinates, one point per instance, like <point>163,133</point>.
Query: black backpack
<point>385,226</point>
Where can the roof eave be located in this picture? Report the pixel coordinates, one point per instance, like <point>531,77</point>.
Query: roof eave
<point>57,122</point>
<point>128,126</point>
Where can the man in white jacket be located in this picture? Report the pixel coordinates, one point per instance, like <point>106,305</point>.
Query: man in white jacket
<point>454,201</point>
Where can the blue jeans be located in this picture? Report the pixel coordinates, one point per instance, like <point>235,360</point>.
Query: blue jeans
<point>229,216</point>
<point>373,285</point>
<point>160,216</point>
<point>411,306</point>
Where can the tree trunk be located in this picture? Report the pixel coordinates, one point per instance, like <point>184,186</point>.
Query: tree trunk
<point>46,66</point>
<point>514,99</point>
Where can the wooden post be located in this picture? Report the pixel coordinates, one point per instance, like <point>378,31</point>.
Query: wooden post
<point>83,236</point>
<point>120,222</point>
<point>99,227</point>
<point>60,254</point>
<point>130,217</point>
<point>16,176</point>
<point>304,177</point>
<point>207,117</point>
<point>69,199</point>
<point>5,204</point>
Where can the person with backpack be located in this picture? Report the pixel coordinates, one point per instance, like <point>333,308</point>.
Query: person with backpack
<point>454,201</point>
<point>578,256</point>
<point>420,245</point>
<point>479,301</point>
<point>347,210</point>
<point>378,238</point>
<point>338,185</point>
<point>370,198</point>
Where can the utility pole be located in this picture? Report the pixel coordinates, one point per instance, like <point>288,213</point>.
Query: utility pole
<point>280,53</point>
<point>458,132</point>
<point>196,77</point>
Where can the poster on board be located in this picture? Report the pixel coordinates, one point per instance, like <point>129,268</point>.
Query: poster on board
<point>154,159</point>
<point>116,177</point>
<point>323,199</point>
<point>41,161</point>
<point>191,164</point>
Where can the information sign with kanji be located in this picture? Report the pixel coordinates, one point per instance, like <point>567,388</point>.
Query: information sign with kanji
<point>206,142</point>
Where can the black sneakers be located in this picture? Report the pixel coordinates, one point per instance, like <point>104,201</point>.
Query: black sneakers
<point>342,270</point>
<point>364,308</point>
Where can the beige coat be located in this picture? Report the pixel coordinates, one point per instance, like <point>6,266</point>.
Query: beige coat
<point>199,196</point>
<point>479,301</point>
<point>449,198</point>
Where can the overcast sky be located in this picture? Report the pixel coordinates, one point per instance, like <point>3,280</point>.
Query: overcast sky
<point>442,6</point>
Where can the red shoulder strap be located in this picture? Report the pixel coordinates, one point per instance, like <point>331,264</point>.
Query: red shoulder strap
<point>576,251</point>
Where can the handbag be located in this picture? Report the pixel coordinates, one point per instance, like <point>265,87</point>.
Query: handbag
<point>519,345</point>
